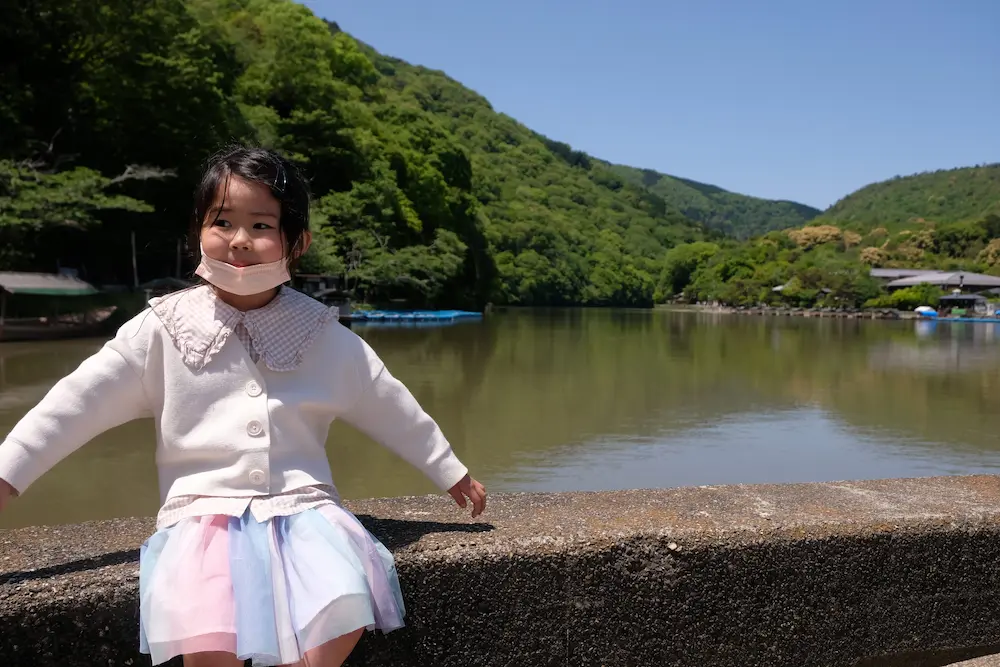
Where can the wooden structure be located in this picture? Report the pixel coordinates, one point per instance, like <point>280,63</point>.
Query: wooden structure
<point>73,324</point>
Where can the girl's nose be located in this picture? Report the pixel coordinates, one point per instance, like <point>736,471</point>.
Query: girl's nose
<point>240,240</point>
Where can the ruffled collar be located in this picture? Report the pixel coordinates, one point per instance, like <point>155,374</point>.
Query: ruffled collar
<point>200,323</point>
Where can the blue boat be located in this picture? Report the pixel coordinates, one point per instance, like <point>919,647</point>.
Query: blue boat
<point>412,317</point>
<point>926,313</point>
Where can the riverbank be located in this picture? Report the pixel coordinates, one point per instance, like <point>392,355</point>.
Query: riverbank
<point>777,311</point>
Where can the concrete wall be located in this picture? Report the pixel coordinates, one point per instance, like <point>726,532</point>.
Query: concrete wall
<point>862,573</point>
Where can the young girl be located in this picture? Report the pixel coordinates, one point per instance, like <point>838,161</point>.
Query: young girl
<point>253,556</point>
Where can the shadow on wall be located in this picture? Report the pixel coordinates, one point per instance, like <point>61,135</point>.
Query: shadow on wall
<point>393,533</point>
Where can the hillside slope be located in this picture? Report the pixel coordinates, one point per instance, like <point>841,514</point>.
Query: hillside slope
<point>736,215</point>
<point>946,220</point>
<point>732,214</point>
<point>944,196</point>
<point>421,191</point>
<point>562,227</point>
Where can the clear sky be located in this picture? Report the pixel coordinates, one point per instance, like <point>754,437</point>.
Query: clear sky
<point>787,99</point>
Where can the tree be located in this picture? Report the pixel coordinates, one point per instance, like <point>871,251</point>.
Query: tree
<point>35,198</point>
<point>680,264</point>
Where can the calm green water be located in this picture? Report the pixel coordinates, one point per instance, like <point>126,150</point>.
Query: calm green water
<point>590,400</point>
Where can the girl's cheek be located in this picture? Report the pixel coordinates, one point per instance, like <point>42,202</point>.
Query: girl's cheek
<point>272,248</point>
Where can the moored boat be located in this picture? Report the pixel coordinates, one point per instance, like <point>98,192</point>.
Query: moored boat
<point>69,315</point>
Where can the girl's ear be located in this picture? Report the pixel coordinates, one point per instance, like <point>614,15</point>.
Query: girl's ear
<point>306,241</point>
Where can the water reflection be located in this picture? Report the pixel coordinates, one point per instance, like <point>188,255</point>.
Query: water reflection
<point>952,348</point>
<point>781,446</point>
<point>592,399</point>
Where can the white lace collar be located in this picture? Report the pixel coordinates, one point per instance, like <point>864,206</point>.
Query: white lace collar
<point>199,323</point>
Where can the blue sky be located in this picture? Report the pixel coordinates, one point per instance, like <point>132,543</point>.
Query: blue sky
<point>787,99</point>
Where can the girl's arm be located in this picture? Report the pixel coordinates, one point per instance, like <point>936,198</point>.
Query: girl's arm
<point>103,392</point>
<point>387,412</point>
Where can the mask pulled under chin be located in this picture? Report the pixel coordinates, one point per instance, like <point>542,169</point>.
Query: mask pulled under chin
<point>246,280</point>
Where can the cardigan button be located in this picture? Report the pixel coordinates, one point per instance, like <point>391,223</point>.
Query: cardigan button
<point>254,428</point>
<point>256,476</point>
<point>253,388</point>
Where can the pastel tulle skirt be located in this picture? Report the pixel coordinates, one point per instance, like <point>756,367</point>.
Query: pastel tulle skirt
<point>263,591</point>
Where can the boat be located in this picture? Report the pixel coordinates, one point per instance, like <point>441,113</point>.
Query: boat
<point>411,317</point>
<point>78,323</point>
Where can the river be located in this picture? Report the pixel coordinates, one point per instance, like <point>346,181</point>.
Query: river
<point>606,399</point>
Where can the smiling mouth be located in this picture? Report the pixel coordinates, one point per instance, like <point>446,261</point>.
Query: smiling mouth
<point>241,265</point>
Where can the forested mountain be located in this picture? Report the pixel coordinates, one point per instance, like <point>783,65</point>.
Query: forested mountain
<point>561,228</point>
<point>485,133</point>
<point>422,190</point>
<point>910,202</point>
<point>946,220</point>
<point>735,215</point>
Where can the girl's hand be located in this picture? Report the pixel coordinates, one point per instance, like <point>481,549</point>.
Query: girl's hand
<point>6,493</point>
<point>465,487</point>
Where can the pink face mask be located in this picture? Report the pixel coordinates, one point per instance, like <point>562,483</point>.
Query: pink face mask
<point>245,280</point>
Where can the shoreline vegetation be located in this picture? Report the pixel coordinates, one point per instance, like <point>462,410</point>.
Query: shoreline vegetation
<point>423,192</point>
<point>791,311</point>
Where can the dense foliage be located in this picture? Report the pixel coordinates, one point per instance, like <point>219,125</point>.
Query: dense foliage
<point>107,85</point>
<point>734,215</point>
<point>826,265</point>
<point>559,230</point>
<point>422,190</point>
<point>947,220</point>
<point>408,204</point>
<point>944,196</point>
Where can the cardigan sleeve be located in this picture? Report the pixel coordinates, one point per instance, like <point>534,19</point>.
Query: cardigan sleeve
<point>103,392</point>
<point>387,412</point>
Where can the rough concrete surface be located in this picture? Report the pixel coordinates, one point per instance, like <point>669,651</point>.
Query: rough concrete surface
<point>857,573</point>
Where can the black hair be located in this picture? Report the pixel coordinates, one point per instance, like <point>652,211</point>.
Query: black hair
<point>258,165</point>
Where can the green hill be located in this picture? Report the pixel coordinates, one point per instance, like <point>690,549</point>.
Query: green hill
<point>945,220</point>
<point>422,190</point>
<point>735,215</point>
<point>910,202</point>
<point>563,227</point>
<point>486,132</point>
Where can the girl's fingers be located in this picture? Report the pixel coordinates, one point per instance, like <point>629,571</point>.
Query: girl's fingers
<point>459,497</point>
<point>478,498</point>
<point>475,492</point>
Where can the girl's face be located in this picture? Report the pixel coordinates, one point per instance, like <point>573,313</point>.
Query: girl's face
<point>243,229</point>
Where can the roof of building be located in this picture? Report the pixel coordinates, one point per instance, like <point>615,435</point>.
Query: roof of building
<point>948,279</point>
<point>899,273</point>
<point>44,283</point>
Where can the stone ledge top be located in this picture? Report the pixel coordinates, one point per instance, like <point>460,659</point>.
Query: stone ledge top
<point>985,661</point>
<point>429,527</point>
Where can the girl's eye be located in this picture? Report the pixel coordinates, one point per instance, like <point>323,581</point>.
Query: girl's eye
<point>221,223</point>
<point>263,225</point>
